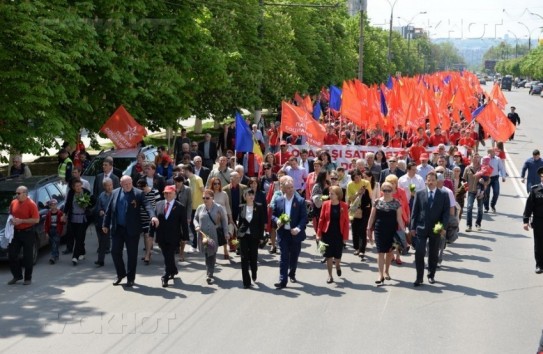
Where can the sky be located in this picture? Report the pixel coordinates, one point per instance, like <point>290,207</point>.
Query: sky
<point>462,19</point>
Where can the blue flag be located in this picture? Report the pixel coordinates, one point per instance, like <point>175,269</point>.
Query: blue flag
<point>478,111</point>
<point>390,83</point>
<point>335,98</point>
<point>244,136</point>
<point>317,110</point>
<point>384,108</point>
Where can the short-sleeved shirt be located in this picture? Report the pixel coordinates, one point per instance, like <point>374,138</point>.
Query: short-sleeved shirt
<point>24,210</point>
<point>196,188</point>
<point>353,187</point>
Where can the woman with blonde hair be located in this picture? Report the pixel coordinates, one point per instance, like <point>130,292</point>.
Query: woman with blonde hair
<point>385,218</point>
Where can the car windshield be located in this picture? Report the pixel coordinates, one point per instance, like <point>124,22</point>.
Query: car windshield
<point>95,167</point>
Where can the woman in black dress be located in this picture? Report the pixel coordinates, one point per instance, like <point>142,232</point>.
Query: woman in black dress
<point>334,229</point>
<point>385,217</point>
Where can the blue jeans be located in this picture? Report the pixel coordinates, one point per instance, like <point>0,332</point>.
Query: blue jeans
<point>469,216</point>
<point>495,185</point>
<point>54,242</point>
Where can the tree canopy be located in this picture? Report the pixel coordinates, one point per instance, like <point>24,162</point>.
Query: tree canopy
<point>67,65</point>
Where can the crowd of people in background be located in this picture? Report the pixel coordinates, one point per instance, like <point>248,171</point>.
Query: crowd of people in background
<point>208,197</point>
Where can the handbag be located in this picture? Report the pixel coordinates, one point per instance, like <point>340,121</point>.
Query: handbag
<point>400,241</point>
<point>221,238</point>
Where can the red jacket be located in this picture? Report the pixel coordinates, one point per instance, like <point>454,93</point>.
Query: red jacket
<point>324,219</point>
<point>60,224</point>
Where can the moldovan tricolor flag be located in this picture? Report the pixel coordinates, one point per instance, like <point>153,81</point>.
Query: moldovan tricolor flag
<point>123,130</point>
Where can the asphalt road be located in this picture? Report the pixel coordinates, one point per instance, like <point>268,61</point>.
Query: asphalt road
<point>487,298</point>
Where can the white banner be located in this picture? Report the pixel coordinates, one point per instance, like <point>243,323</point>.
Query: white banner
<point>343,155</point>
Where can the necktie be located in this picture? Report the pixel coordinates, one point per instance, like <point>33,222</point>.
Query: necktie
<point>431,198</point>
<point>166,208</point>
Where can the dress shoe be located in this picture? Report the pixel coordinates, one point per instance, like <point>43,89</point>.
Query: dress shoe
<point>173,275</point>
<point>338,272</point>
<point>14,281</point>
<point>129,284</point>
<point>74,261</point>
<point>293,279</point>
<point>280,285</point>
<point>27,282</point>
<point>538,270</point>
<point>209,280</point>
<point>118,281</point>
<point>254,277</point>
<point>273,250</point>
<point>431,280</point>
<point>82,257</point>
<point>248,286</point>
<point>164,281</point>
<point>380,281</point>
<point>99,264</point>
<point>323,261</point>
<point>417,283</point>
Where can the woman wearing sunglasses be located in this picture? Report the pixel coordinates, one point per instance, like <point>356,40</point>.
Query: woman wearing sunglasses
<point>385,218</point>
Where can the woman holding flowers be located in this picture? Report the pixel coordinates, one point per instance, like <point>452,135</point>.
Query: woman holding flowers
<point>251,221</point>
<point>385,218</point>
<point>208,218</point>
<point>333,229</point>
<point>78,206</point>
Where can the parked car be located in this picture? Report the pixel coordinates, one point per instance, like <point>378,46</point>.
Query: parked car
<point>521,83</point>
<point>536,90</point>
<point>40,189</point>
<point>482,81</point>
<point>123,161</point>
<point>531,85</point>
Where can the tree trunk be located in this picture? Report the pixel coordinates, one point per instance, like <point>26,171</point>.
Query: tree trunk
<point>198,126</point>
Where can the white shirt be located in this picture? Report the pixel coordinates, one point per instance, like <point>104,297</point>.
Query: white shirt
<point>288,207</point>
<point>249,213</point>
<point>404,182</point>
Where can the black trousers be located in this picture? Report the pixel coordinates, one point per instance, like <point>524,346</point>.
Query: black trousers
<point>103,243</point>
<point>24,239</point>
<point>249,257</point>
<point>420,252</point>
<point>168,252</point>
<point>537,225</point>
<point>79,231</point>
<point>358,228</point>
<point>120,239</point>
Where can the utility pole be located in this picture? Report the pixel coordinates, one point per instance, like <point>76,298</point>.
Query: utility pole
<point>363,9</point>
<point>389,55</point>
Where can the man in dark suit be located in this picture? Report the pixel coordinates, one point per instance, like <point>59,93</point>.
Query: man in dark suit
<point>200,170</point>
<point>392,169</point>
<point>431,206</point>
<point>123,218</point>
<point>207,149</point>
<point>291,234</point>
<point>305,161</point>
<point>107,167</point>
<point>171,217</point>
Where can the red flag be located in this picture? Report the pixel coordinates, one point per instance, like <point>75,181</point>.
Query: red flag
<point>307,104</point>
<point>350,105</point>
<point>123,130</point>
<point>495,122</point>
<point>497,95</point>
<point>296,120</point>
<point>298,99</point>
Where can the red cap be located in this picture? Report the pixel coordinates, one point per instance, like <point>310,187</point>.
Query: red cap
<point>458,153</point>
<point>436,151</point>
<point>169,189</point>
<point>424,156</point>
<point>402,153</point>
<point>283,143</point>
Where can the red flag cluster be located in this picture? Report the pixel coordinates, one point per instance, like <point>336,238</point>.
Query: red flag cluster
<point>123,130</point>
<point>298,121</point>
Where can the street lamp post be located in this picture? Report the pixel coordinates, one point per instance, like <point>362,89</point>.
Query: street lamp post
<point>529,34</point>
<point>389,56</point>
<point>410,35</point>
<point>516,43</point>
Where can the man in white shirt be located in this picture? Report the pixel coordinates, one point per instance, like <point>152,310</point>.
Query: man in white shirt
<point>411,177</point>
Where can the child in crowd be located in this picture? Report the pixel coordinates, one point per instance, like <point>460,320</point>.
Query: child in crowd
<point>484,176</point>
<point>53,228</point>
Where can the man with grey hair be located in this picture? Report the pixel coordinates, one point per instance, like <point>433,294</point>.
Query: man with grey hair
<point>207,149</point>
<point>222,172</point>
<point>374,168</point>
<point>201,170</point>
<point>243,179</point>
